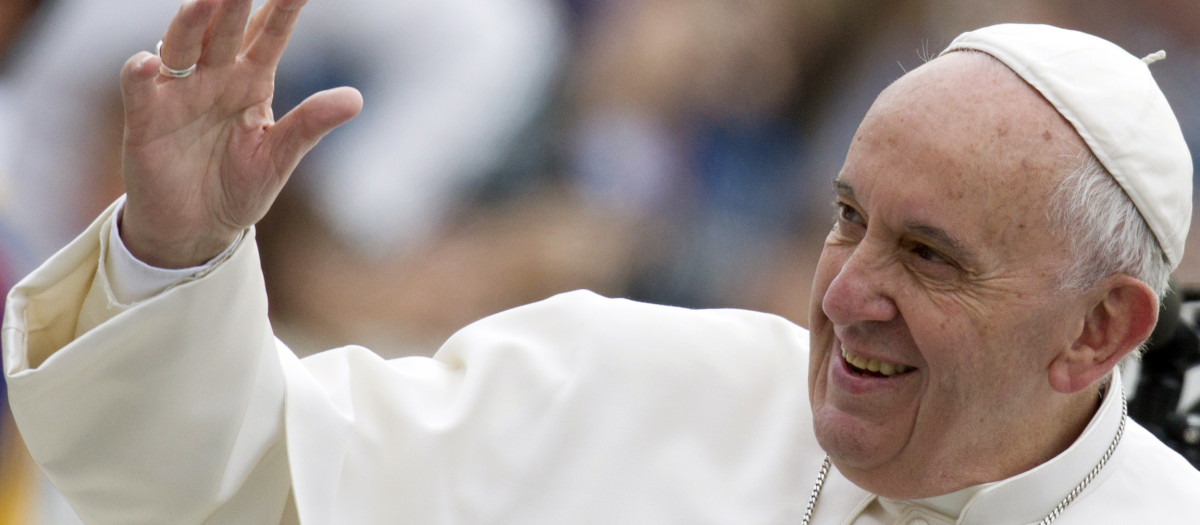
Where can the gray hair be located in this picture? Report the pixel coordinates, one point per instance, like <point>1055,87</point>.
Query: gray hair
<point>1104,230</point>
<point>1106,234</point>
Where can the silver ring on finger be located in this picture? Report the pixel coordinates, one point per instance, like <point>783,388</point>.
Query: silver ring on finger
<point>163,69</point>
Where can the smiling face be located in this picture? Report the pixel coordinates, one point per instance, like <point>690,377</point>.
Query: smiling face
<point>935,312</point>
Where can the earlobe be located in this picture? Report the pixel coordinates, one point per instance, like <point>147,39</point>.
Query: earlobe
<point>1120,319</point>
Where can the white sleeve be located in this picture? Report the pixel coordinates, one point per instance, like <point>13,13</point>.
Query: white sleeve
<point>133,280</point>
<point>167,410</point>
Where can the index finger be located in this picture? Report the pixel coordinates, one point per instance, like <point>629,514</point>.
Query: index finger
<point>278,20</point>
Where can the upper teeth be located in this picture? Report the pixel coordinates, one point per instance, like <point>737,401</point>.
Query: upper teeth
<point>863,363</point>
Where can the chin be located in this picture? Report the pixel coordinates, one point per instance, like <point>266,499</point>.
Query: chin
<point>846,442</point>
<point>863,453</point>
<point>880,472</point>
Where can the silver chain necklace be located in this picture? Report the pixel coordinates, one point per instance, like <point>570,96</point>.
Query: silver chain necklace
<point>1058,509</point>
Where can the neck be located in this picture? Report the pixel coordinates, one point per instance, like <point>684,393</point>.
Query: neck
<point>1047,436</point>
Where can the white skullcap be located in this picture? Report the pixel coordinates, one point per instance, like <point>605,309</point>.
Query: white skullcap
<point>1115,105</point>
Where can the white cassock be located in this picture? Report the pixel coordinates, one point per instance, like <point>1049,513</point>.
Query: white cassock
<point>184,408</point>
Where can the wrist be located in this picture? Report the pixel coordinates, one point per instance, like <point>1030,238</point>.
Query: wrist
<point>176,250</point>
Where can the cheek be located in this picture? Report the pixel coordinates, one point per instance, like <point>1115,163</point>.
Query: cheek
<point>954,337</point>
<point>820,329</point>
<point>976,357</point>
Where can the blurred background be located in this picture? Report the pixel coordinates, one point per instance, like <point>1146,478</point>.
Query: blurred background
<point>672,151</point>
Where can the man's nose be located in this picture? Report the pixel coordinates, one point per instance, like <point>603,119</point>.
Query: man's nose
<point>861,290</point>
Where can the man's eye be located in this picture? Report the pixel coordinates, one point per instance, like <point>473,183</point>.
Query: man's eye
<point>929,254</point>
<point>849,214</point>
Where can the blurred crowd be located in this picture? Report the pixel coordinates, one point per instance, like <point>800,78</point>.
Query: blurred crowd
<point>672,151</point>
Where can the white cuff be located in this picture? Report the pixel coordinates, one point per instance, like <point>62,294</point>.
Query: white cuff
<point>132,280</point>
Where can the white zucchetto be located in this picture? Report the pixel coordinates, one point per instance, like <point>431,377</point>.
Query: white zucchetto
<point>1113,102</point>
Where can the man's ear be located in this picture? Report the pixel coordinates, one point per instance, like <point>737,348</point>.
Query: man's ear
<point>1123,313</point>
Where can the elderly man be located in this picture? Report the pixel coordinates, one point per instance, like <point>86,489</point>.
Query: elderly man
<point>1008,215</point>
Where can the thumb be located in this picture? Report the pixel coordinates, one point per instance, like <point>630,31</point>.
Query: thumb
<point>303,127</point>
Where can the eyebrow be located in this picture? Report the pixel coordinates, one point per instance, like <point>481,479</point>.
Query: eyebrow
<point>954,248</point>
<point>841,186</point>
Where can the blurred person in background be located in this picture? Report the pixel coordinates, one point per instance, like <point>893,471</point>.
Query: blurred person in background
<point>685,124</point>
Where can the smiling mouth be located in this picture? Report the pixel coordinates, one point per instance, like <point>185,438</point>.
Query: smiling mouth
<point>871,367</point>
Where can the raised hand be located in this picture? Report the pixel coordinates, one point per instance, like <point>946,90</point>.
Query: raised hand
<point>203,156</point>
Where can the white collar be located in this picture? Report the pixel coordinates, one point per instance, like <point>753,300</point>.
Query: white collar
<point>948,506</point>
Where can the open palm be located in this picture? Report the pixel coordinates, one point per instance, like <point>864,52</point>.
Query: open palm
<point>203,156</point>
